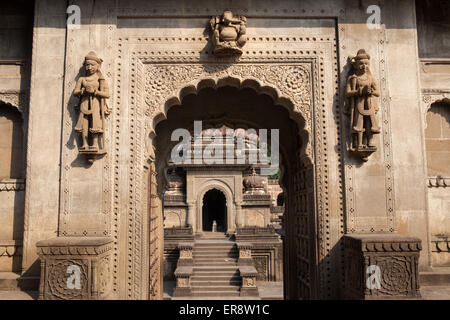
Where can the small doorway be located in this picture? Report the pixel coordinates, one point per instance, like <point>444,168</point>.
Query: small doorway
<point>214,209</point>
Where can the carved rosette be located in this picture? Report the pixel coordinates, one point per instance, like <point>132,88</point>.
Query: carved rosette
<point>58,277</point>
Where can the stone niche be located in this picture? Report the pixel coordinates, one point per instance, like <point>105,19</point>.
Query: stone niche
<point>381,266</point>
<point>75,268</point>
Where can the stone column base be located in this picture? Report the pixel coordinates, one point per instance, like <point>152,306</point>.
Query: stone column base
<point>75,268</point>
<point>381,266</point>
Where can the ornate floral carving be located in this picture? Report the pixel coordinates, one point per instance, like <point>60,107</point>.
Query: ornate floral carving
<point>395,275</point>
<point>293,81</point>
<point>57,279</point>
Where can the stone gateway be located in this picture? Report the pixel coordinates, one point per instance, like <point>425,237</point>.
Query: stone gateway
<point>191,149</point>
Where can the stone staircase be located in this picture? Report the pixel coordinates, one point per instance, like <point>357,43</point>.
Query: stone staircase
<point>215,271</point>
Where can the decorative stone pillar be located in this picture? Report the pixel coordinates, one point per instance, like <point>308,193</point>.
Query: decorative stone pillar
<point>245,254</point>
<point>183,285</point>
<point>381,266</point>
<point>248,275</point>
<point>184,270</point>
<point>186,255</point>
<point>75,268</point>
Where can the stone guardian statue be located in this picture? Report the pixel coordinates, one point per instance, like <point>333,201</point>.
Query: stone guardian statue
<point>228,33</point>
<point>92,90</point>
<point>361,91</point>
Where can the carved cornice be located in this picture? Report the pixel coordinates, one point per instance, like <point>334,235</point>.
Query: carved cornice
<point>440,243</point>
<point>12,185</point>
<point>10,248</point>
<point>75,246</point>
<point>436,182</point>
<point>383,243</point>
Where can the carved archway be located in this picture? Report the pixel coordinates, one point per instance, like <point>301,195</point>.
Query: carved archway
<point>221,216</point>
<point>288,86</point>
<point>302,191</point>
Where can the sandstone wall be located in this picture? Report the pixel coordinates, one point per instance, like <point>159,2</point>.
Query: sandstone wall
<point>387,194</point>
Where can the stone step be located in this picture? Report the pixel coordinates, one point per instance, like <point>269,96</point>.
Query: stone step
<point>215,269</point>
<point>437,277</point>
<point>215,274</point>
<point>225,288</point>
<point>218,277</point>
<point>9,281</point>
<point>214,247</point>
<point>215,283</point>
<point>214,255</point>
<point>221,294</point>
<point>216,259</point>
<point>214,264</point>
<point>214,243</point>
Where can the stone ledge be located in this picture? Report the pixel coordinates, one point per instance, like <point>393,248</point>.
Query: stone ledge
<point>74,246</point>
<point>184,271</point>
<point>248,271</point>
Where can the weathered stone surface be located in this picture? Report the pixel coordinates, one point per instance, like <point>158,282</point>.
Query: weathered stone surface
<point>75,268</point>
<point>381,266</point>
<point>163,74</point>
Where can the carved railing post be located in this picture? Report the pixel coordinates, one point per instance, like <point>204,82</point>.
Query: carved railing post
<point>75,268</point>
<point>247,269</point>
<point>245,254</point>
<point>184,270</point>
<point>248,276</point>
<point>380,266</point>
<point>186,254</point>
<point>183,285</point>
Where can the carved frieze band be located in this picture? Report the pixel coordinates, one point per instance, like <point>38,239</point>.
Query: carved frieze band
<point>12,185</point>
<point>438,182</point>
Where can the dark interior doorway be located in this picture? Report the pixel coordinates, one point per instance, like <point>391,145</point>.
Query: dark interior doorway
<point>214,209</point>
